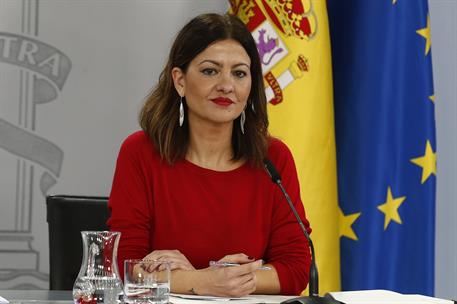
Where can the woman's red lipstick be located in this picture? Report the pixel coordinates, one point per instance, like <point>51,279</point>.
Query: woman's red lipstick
<point>222,101</point>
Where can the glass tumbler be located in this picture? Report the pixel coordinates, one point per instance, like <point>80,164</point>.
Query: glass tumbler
<point>146,281</point>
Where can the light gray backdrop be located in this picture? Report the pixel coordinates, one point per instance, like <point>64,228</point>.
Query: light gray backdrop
<point>443,15</point>
<point>70,129</point>
<point>73,75</point>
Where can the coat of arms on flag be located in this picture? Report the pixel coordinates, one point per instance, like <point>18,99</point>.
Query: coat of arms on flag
<point>281,20</point>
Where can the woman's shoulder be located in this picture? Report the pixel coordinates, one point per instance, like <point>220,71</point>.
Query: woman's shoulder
<point>136,138</point>
<point>138,143</point>
<point>280,155</point>
<point>278,149</point>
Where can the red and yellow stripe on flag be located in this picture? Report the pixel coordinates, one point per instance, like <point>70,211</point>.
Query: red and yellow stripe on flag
<point>293,40</point>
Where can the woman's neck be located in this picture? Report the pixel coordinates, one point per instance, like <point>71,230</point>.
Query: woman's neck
<point>211,147</point>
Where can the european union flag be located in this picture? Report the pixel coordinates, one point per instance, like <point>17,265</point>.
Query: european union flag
<point>386,149</point>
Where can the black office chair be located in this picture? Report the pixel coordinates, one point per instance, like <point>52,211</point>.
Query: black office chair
<point>67,216</point>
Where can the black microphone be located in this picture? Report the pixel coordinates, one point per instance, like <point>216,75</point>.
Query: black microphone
<point>313,297</point>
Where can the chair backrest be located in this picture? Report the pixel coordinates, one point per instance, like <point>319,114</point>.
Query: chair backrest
<point>67,216</point>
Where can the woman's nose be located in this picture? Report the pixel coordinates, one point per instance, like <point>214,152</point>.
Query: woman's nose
<point>225,84</point>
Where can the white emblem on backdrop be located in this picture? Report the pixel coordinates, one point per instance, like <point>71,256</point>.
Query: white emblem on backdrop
<point>30,162</point>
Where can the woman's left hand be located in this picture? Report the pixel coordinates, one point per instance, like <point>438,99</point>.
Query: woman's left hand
<point>239,258</point>
<point>176,259</point>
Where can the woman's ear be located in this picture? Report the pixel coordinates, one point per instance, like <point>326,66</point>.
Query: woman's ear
<point>178,80</point>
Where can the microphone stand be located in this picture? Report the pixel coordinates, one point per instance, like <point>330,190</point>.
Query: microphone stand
<point>313,297</point>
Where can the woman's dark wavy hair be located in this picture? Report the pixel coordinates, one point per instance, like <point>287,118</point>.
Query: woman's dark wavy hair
<point>160,112</point>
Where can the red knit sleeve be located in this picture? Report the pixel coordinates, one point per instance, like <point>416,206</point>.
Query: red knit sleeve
<point>129,202</point>
<point>288,249</point>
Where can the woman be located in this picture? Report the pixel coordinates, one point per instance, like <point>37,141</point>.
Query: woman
<point>190,187</point>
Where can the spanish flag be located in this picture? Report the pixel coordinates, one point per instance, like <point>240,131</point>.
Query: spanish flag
<point>293,40</point>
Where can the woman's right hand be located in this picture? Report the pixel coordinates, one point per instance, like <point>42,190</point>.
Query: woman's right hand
<point>232,281</point>
<point>175,258</point>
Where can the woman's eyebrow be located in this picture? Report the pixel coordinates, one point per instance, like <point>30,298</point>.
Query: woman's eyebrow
<point>219,64</point>
<point>240,64</point>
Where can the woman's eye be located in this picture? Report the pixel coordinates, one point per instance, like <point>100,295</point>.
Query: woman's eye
<point>209,72</point>
<point>240,74</point>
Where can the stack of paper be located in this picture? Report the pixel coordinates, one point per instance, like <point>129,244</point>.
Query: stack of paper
<point>384,297</point>
<point>254,299</point>
<point>347,297</point>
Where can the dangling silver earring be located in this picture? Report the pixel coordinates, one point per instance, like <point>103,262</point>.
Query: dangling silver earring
<point>181,112</point>
<point>252,107</point>
<point>242,120</point>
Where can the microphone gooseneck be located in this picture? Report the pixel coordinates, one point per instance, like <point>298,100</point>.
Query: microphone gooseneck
<point>314,297</point>
<point>313,274</point>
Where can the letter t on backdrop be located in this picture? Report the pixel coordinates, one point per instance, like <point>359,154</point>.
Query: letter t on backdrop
<point>294,46</point>
<point>385,127</point>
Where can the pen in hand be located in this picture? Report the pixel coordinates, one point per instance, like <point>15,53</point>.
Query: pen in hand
<point>228,264</point>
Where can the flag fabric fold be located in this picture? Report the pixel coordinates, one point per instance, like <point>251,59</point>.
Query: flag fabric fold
<point>386,147</point>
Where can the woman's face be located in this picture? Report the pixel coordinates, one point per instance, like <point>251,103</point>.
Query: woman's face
<point>217,83</point>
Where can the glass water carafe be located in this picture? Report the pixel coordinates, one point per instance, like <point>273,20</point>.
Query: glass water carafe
<point>98,280</point>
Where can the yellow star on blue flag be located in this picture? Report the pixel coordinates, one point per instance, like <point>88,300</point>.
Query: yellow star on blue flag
<point>346,222</point>
<point>427,162</point>
<point>425,32</point>
<point>390,208</point>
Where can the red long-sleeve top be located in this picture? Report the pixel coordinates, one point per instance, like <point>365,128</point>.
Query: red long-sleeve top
<point>207,214</point>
